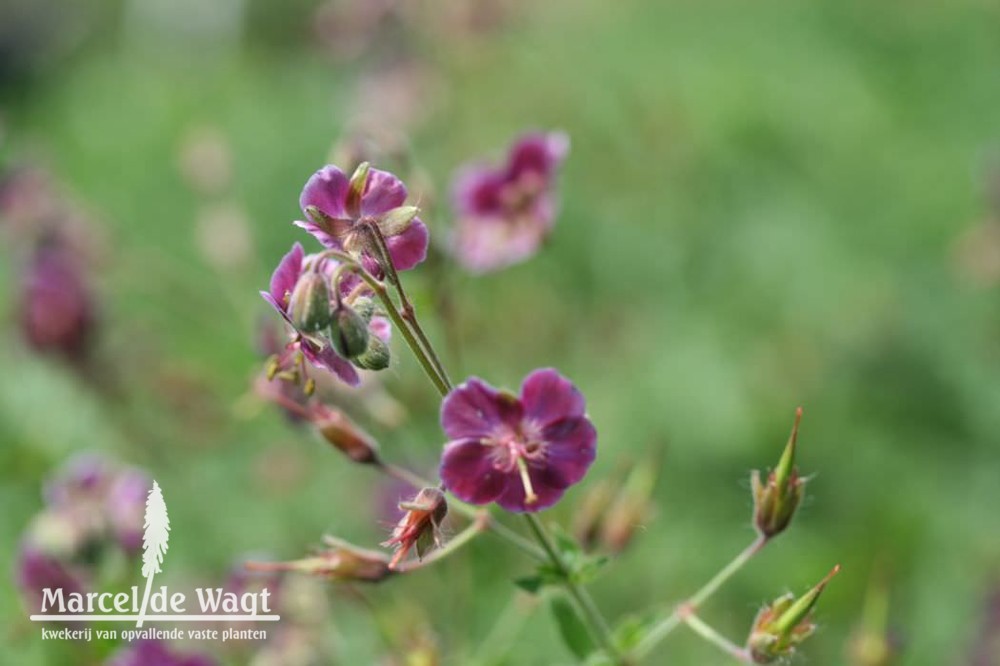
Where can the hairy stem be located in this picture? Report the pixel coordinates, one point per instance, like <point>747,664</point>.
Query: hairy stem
<point>408,313</point>
<point>715,638</point>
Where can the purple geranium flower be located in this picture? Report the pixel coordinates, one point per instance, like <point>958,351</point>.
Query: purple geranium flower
<point>504,213</point>
<point>522,452</point>
<point>57,311</point>
<point>345,216</point>
<point>315,348</point>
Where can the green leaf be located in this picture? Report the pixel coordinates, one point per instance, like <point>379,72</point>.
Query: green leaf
<point>572,629</point>
<point>530,584</point>
<point>632,629</point>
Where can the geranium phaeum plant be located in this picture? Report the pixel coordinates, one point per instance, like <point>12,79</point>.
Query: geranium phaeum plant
<point>521,451</point>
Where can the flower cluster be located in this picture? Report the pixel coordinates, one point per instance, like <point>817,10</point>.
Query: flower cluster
<point>94,508</point>
<point>522,450</point>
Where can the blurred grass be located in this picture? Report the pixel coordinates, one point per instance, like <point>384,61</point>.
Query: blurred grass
<point>760,210</point>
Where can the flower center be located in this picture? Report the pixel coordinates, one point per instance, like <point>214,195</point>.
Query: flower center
<point>519,196</point>
<point>518,450</point>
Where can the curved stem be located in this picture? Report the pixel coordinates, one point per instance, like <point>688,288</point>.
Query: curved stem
<point>715,638</point>
<point>598,626</point>
<point>688,607</point>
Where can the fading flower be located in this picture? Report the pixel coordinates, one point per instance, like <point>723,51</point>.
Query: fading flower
<point>341,209</point>
<point>341,561</point>
<point>505,213</point>
<point>420,526</point>
<point>522,452</point>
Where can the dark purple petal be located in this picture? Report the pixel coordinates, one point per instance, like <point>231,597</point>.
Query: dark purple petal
<point>383,192</point>
<point>549,397</point>
<point>410,247</point>
<point>156,653</point>
<point>286,275</point>
<point>467,471</point>
<point>475,191</point>
<point>326,190</point>
<point>474,409</point>
<point>548,487</point>
<point>326,358</point>
<point>570,448</point>
<point>537,153</point>
<point>325,238</point>
<point>36,571</point>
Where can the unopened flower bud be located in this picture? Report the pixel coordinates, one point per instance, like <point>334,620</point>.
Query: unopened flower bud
<point>630,508</point>
<point>776,499</point>
<point>344,434</point>
<point>376,356</point>
<point>784,624</point>
<point>359,179</point>
<point>348,332</point>
<point>309,306</point>
<point>397,220</point>
<point>341,561</point>
<point>420,527</point>
<point>365,307</point>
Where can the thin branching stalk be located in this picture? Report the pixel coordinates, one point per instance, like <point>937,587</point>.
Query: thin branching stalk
<point>715,638</point>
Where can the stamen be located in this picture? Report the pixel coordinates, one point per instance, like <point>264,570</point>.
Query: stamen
<point>529,493</point>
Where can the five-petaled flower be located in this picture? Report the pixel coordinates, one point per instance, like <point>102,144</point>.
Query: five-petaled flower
<point>522,452</point>
<point>505,213</point>
<point>341,213</point>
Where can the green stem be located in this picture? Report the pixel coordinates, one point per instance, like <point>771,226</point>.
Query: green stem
<point>409,314</point>
<point>714,637</point>
<point>688,607</point>
<point>380,291</point>
<point>598,626</point>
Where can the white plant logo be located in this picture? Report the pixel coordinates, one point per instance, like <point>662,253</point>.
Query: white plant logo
<point>157,605</point>
<point>154,542</point>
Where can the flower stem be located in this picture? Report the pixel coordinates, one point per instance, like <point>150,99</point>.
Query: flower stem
<point>598,626</point>
<point>408,313</point>
<point>712,636</point>
<point>688,607</point>
<point>380,291</point>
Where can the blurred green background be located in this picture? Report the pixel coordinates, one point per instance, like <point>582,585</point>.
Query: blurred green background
<point>766,205</point>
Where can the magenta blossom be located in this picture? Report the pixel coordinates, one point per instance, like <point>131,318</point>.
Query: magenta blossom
<point>314,347</point>
<point>57,311</point>
<point>156,653</point>
<point>505,213</point>
<point>522,452</point>
<point>349,205</point>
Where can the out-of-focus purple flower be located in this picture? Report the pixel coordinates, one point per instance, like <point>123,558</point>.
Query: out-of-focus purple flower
<point>37,570</point>
<point>156,653</point>
<point>57,311</point>
<point>346,216</point>
<point>126,505</point>
<point>314,347</point>
<point>505,213</point>
<point>522,452</point>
